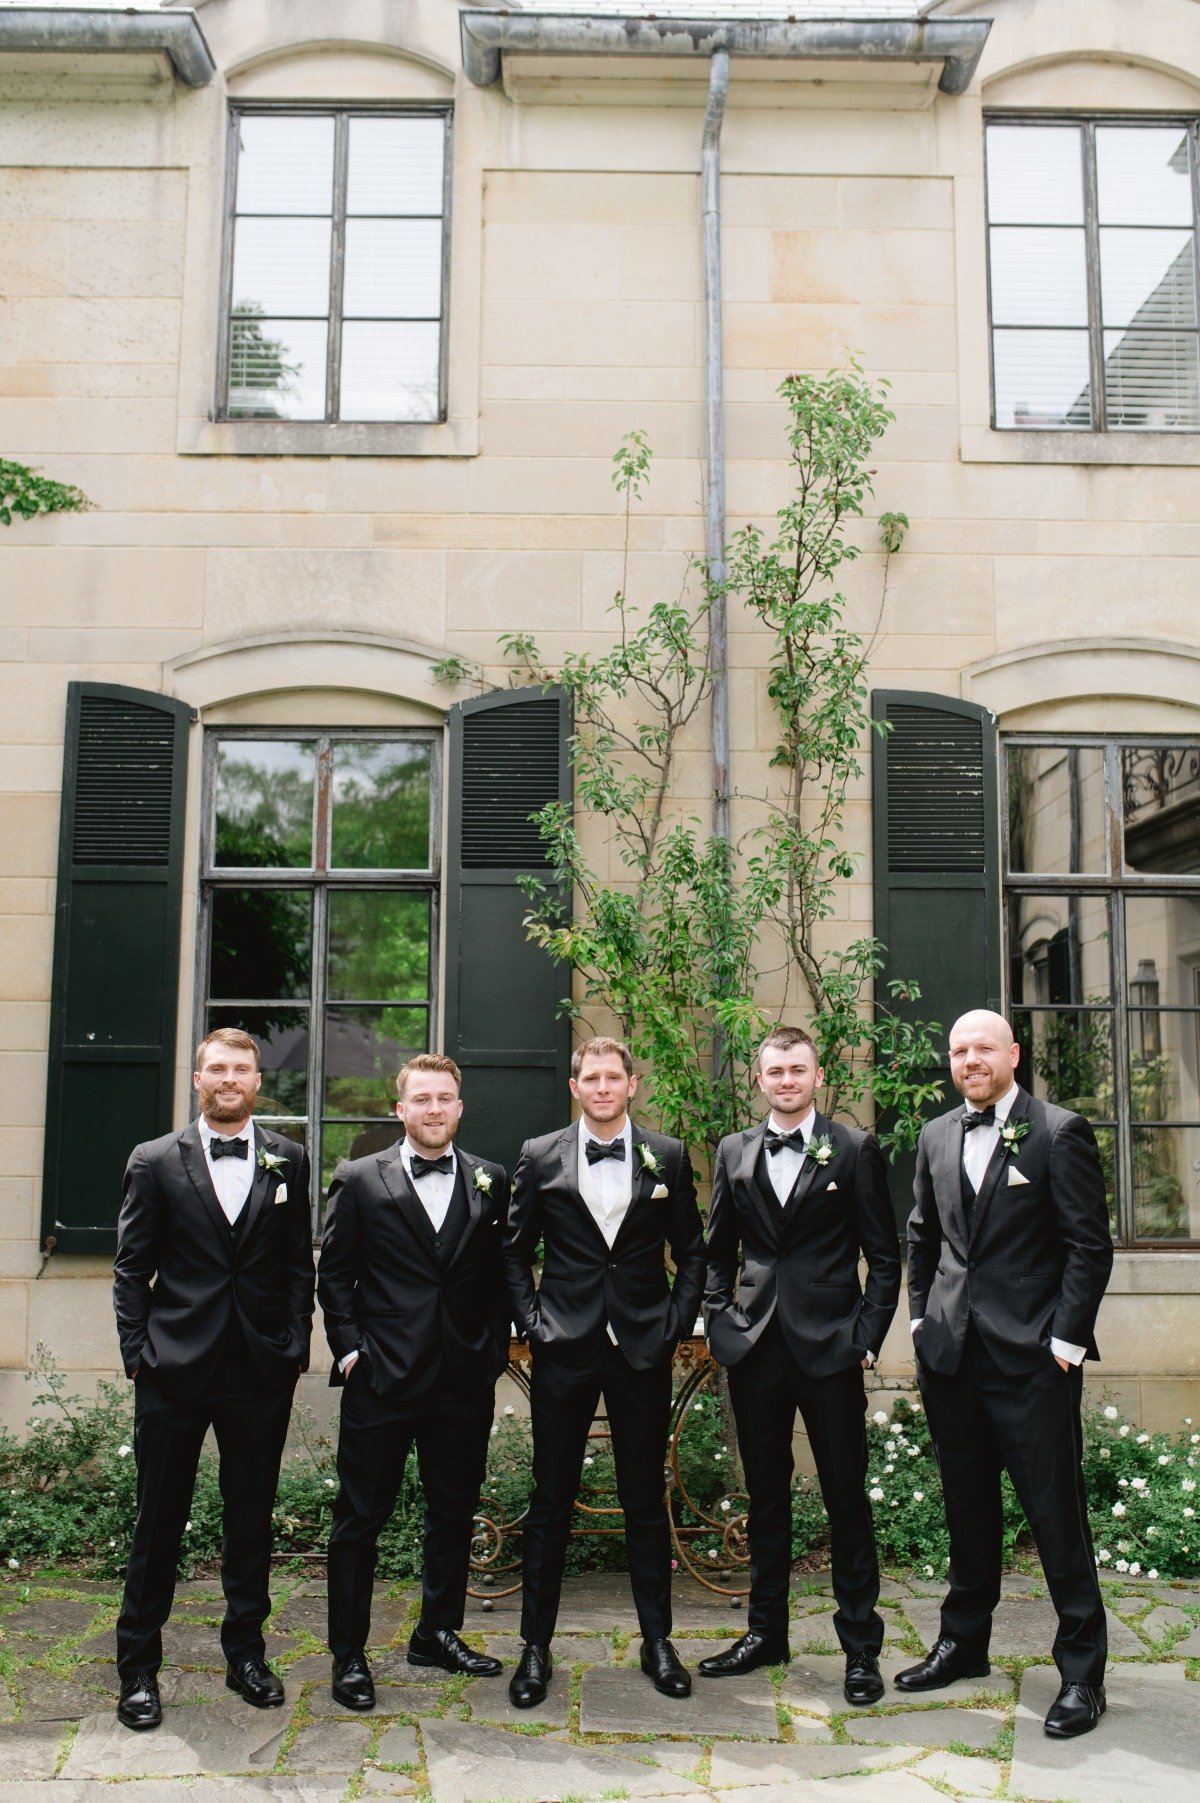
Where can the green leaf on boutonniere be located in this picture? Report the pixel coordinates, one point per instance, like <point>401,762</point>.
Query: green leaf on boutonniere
<point>1012,1133</point>
<point>820,1150</point>
<point>648,1157</point>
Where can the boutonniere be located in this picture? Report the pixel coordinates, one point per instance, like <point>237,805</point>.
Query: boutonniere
<point>648,1157</point>
<point>271,1161</point>
<point>483,1180</point>
<point>821,1150</point>
<point>1012,1133</point>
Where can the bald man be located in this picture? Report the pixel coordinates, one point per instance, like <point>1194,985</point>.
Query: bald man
<point>1009,1254</point>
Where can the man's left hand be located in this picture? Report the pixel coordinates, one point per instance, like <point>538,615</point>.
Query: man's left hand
<point>1064,1364</point>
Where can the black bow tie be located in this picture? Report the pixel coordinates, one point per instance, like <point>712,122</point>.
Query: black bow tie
<point>597,1149</point>
<point>979,1117</point>
<point>228,1148</point>
<point>775,1142</point>
<point>421,1167</point>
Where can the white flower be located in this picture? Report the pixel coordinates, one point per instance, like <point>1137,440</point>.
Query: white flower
<point>712,1552</point>
<point>1118,1509</point>
<point>1164,1458</point>
<point>1104,1452</point>
<point>330,1483</point>
<point>495,1428</point>
<point>112,1543</point>
<point>929,1571</point>
<point>1137,1483</point>
<point>888,1470</point>
<point>1188,1484</point>
<point>1110,1413</point>
<point>915,1408</point>
<point>483,1180</point>
<point>1135,1570</point>
<point>14,1565</point>
<point>726,1505</point>
<point>123,1452</point>
<point>876,1494</point>
<point>1188,1513</point>
<point>881,1418</point>
<point>509,1409</point>
<point>1122,1564</point>
<point>918,1496</point>
<point>1151,1532</point>
<point>588,1461</point>
<point>1123,1483</point>
<point>1124,1429</point>
<point>1196,1439</point>
<point>697,1408</point>
<point>1103,1556</point>
<point>187,1527</point>
<point>1152,1573</point>
<point>1143,1439</point>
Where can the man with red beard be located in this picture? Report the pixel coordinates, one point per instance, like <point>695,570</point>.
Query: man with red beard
<point>213,1290</point>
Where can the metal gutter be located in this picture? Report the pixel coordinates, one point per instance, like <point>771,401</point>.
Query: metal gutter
<point>714,409</point>
<point>956,43</point>
<point>71,29</point>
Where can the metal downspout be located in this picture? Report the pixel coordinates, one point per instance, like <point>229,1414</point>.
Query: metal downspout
<point>714,411</point>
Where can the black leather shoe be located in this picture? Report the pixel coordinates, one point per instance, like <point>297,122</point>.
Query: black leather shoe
<point>663,1666</point>
<point>1076,1710</point>
<point>255,1680</point>
<point>863,1683</point>
<point>745,1655</point>
<point>441,1646</point>
<point>140,1705</point>
<point>946,1660</point>
<point>353,1686</point>
<point>527,1686</point>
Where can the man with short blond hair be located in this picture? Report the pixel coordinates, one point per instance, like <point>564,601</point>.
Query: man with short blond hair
<point>213,1290</point>
<point>412,1285</point>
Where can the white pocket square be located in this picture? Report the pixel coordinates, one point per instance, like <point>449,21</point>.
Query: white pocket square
<point>1015,1176</point>
<point>281,1194</point>
<point>830,1186</point>
<point>659,1193</point>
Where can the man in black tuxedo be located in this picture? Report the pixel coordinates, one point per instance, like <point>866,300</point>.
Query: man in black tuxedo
<point>605,1199</point>
<point>1009,1253</point>
<point>794,1201</point>
<point>411,1281</point>
<point>213,1289</point>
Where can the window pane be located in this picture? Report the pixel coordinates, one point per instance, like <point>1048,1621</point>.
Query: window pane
<point>1066,1057</point>
<point>364,1048</point>
<point>264,804</point>
<point>390,371</point>
<point>282,1035</point>
<point>261,944</point>
<point>381,805</point>
<point>1162,950</point>
<point>281,266</point>
<point>1166,1182</point>
<point>277,368</point>
<point>1035,174</point>
<point>1161,798</point>
<point>1058,948</point>
<point>285,165</point>
<point>1056,808</point>
<point>1164,1045</point>
<point>1142,175</point>
<point>395,165</point>
<point>1039,277</point>
<point>1042,379</point>
<point>393,268</point>
<point>378,945</point>
<point>353,1139</point>
<point>1147,278</point>
<point>1150,380</point>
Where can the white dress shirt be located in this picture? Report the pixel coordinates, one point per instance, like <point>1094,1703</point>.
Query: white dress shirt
<point>607,1187</point>
<point>231,1177</point>
<point>978,1146</point>
<point>784,1166</point>
<point>435,1188</point>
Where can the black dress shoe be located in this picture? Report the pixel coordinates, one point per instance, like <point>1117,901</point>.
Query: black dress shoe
<point>1076,1710</point>
<point>441,1646</point>
<point>255,1680</point>
<point>863,1683</point>
<point>139,1705</point>
<point>662,1664</point>
<point>353,1686</point>
<point>946,1660</point>
<point>527,1686</point>
<point>745,1655</point>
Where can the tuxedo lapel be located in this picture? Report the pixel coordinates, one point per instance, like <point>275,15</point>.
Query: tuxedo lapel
<point>395,1177</point>
<point>196,1165</point>
<point>947,1176</point>
<point>641,1184</point>
<point>259,1187</point>
<point>809,1170</point>
<point>997,1166</point>
<point>765,1202</point>
<point>568,1151</point>
<point>475,1201</point>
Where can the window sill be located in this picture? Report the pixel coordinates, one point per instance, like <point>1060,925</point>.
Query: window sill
<point>311,438</point>
<point>985,444</point>
<point>1166,1271</point>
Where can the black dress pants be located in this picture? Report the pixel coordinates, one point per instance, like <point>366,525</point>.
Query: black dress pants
<point>450,1428</point>
<point>249,1418</point>
<point>563,1403</point>
<point>983,1422</point>
<point>766,1388</point>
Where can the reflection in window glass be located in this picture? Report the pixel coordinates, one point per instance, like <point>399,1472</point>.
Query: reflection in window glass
<point>1161,806</point>
<point>1067,1057</point>
<point>1056,809</point>
<point>380,805</point>
<point>1162,937</point>
<point>264,805</point>
<point>364,1048</point>
<point>353,1139</point>
<point>261,944</point>
<point>1166,1183</point>
<point>1058,948</point>
<point>378,945</point>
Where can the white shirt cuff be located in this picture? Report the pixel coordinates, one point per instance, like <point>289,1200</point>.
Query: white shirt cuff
<point>1063,1349</point>
<point>870,1361</point>
<point>914,1324</point>
<point>344,1364</point>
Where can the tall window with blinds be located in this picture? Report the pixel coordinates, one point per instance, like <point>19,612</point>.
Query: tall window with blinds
<point>336,265</point>
<point>1092,273</point>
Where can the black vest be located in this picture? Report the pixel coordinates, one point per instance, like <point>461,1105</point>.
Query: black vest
<point>457,1216</point>
<point>762,1176</point>
<point>969,1193</point>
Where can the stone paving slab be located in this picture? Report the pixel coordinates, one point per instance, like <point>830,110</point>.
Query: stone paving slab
<point>752,1762</point>
<point>387,1784</point>
<point>1145,1749</point>
<point>398,1745</point>
<point>469,1764</point>
<point>878,1787</point>
<point>213,1739</point>
<point>202,1790</point>
<point>392,1664</point>
<point>330,1747</point>
<point>929,1727</point>
<point>969,1777</point>
<point>46,1698</point>
<point>814,1684</point>
<point>51,1619</point>
<point>390,1699</point>
<point>1162,1618</point>
<point>568,1649</point>
<point>489,1702</point>
<point>1022,1629</point>
<point>30,1749</point>
<point>1187,1649</point>
<point>625,1702</point>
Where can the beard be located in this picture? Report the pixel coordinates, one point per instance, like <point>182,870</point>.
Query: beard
<point>433,1139</point>
<point>214,1109</point>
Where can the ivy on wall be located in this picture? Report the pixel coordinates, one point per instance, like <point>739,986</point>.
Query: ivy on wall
<point>26,493</point>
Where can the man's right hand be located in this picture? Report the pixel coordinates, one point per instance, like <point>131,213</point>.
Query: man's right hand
<point>349,1364</point>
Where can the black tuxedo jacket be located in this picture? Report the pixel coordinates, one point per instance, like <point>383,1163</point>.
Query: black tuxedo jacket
<point>182,1287</point>
<point>1035,1260</point>
<point>801,1262</point>
<point>387,1294</point>
<point>586,1285</point>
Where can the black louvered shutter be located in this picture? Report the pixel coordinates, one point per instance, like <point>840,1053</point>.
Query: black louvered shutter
<point>937,863</point>
<point>508,757</point>
<point>116,952</point>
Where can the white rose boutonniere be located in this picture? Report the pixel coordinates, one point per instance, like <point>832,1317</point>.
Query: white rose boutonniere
<point>821,1150</point>
<point>483,1180</point>
<point>271,1161</point>
<point>648,1157</point>
<point>1012,1133</point>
